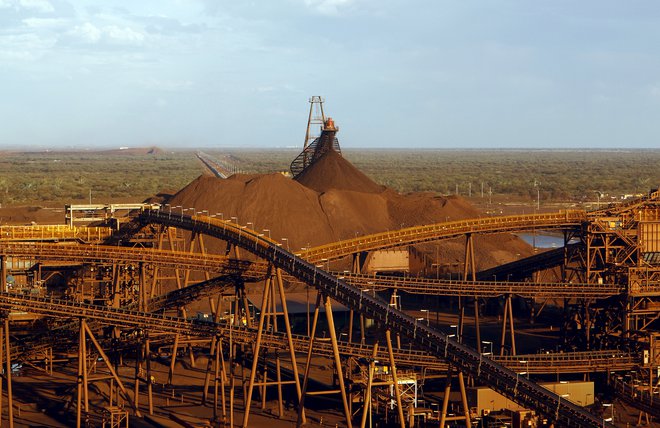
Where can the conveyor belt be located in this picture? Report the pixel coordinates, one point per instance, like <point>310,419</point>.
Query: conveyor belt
<point>57,232</point>
<point>527,266</point>
<point>256,271</point>
<point>536,363</point>
<point>121,255</point>
<point>637,396</point>
<point>417,285</point>
<point>436,343</point>
<point>173,299</point>
<point>117,316</point>
<point>570,362</point>
<point>448,230</point>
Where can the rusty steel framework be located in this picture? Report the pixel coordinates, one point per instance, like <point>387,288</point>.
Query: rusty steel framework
<point>320,144</point>
<point>614,265</point>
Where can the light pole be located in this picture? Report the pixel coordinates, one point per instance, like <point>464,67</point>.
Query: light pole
<point>427,315</point>
<point>538,195</point>
<point>611,418</point>
<point>287,243</point>
<point>458,337</point>
<point>526,367</point>
<point>268,231</point>
<point>363,290</point>
<point>487,342</point>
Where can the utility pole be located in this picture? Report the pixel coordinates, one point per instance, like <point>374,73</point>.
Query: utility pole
<point>538,194</point>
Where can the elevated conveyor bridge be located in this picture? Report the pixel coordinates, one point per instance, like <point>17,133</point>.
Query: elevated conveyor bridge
<point>447,230</point>
<point>481,288</point>
<point>58,232</point>
<point>575,362</point>
<point>436,343</point>
<point>254,271</point>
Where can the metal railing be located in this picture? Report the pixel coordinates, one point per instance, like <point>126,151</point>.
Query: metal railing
<point>481,288</point>
<point>643,397</point>
<point>447,230</point>
<point>114,254</point>
<point>53,232</point>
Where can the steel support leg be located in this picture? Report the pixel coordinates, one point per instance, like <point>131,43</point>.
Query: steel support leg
<point>289,337</point>
<point>2,341</point>
<point>150,397</point>
<point>255,353</point>
<point>175,350</point>
<point>511,328</point>
<point>138,368</point>
<point>445,398</point>
<point>10,395</point>
<point>308,361</point>
<point>466,408</point>
<point>81,370</point>
<point>367,393</point>
<point>397,392</point>
<point>337,357</point>
<point>508,319</point>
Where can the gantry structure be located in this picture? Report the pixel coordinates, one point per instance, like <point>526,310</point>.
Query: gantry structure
<point>316,145</point>
<point>608,273</point>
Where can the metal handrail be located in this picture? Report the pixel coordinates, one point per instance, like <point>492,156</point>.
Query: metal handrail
<point>481,288</point>
<point>53,232</point>
<point>446,230</point>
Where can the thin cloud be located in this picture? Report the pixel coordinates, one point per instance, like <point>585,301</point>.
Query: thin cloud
<point>327,7</point>
<point>45,22</point>
<point>654,91</point>
<point>112,34</point>
<point>42,6</point>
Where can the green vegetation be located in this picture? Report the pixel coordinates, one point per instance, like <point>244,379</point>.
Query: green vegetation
<point>563,175</point>
<point>56,178</point>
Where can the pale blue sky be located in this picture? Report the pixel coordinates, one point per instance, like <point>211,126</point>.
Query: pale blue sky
<point>434,73</point>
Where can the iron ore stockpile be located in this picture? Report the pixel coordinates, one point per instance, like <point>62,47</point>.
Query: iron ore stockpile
<point>332,200</point>
<point>328,300</point>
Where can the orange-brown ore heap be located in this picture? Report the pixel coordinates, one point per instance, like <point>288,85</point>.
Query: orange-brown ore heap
<point>331,200</point>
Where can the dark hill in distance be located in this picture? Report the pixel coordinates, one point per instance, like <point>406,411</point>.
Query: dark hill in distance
<point>135,151</point>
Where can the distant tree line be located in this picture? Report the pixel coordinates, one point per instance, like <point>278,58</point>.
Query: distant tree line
<point>50,178</point>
